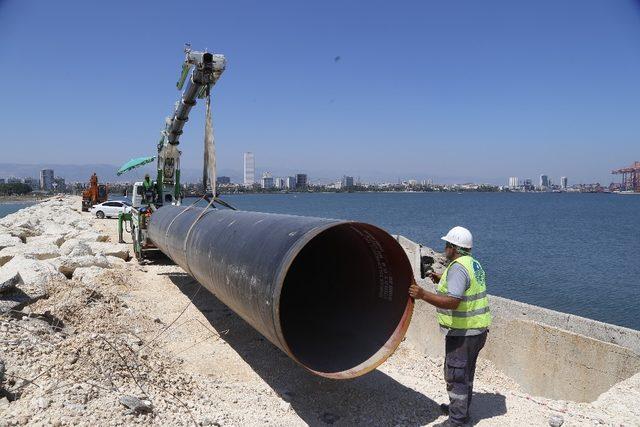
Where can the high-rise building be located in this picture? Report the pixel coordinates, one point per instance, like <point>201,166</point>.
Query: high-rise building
<point>267,180</point>
<point>46,179</point>
<point>544,181</point>
<point>301,181</point>
<point>564,182</point>
<point>527,184</point>
<point>249,169</point>
<point>514,182</point>
<point>1,180</point>
<point>346,182</point>
<point>278,183</point>
<point>290,182</point>
<point>223,180</point>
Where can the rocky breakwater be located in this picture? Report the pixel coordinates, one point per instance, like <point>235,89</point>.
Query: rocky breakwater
<point>70,353</point>
<point>48,242</point>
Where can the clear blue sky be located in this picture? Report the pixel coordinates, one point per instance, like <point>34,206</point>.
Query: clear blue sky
<point>478,89</point>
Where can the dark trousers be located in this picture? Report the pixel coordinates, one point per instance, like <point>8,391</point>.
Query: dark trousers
<point>459,369</point>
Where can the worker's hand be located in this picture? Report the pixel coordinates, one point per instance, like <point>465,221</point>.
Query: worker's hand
<point>415,291</point>
<point>435,277</point>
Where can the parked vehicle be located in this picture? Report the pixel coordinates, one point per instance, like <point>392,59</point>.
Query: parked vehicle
<point>110,209</point>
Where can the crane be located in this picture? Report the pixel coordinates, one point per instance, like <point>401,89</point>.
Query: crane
<point>200,72</point>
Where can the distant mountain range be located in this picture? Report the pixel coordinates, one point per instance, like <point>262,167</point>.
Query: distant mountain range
<point>107,173</point>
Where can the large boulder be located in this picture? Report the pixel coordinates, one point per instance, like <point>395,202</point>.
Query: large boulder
<point>68,264</point>
<point>22,218</point>
<point>67,246</point>
<point>88,275</point>
<point>22,233</point>
<point>54,227</point>
<point>116,262</point>
<point>32,271</point>
<point>75,246</point>
<point>88,236</point>
<point>34,277</point>
<point>79,223</point>
<point>35,251</point>
<point>110,249</point>
<point>54,239</point>
<point>80,249</point>
<point>7,240</point>
<point>9,280</point>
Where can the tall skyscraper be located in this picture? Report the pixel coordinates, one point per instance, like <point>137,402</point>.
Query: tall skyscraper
<point>346,182</point>
<point>513,182</point>
<point>301,181</point>
<point>544,181</point>
<point>46,179</point>
<point>249,169</point>
<point>278,183</point>
<point>564,182</point>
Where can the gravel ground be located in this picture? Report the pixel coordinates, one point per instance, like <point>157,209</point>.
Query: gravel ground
<point>92,338</point>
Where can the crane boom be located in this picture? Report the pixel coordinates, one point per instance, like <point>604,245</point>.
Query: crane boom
<point>200,71</point>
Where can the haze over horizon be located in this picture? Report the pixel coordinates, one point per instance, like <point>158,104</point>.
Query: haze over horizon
<point>472,90</point>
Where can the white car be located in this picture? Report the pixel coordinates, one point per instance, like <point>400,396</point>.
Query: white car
<point>110,209</point>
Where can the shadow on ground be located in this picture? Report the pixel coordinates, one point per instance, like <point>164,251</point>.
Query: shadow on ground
<point>487,405</point>
<point>373,399</point>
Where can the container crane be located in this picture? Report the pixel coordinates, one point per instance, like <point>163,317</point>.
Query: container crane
<point>630,178</point>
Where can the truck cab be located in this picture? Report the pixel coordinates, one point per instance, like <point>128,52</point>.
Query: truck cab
<point>138,196</point>
<point>141,211</point>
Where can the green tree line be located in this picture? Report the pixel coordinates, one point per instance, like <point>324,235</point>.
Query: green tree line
<point>14,189</point>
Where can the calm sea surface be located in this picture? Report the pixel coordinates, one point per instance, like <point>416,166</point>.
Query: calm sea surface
<point>577,253</point>
<point>9,208</point>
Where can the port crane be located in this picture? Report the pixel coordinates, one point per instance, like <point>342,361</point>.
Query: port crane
<point>200,72</point>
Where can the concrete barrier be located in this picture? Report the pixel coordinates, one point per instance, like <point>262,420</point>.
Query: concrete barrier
<point>549,353</point>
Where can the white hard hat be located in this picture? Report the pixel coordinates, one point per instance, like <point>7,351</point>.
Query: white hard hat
<point>459,236</point>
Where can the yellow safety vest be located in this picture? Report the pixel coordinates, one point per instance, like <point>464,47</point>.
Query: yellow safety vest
<point>473,311</point>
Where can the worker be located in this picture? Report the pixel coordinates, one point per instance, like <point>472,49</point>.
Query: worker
<point>148,189</point>
<point>463,314</point>
<point>122,218</point>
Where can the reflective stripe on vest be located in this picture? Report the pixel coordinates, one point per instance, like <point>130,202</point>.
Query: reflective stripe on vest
<point>473,310</point>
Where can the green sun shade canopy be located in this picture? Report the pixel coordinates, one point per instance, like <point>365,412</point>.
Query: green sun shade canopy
<point>134,163</point>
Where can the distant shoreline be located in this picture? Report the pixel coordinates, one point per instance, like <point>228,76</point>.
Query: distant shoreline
<point>22,199</point>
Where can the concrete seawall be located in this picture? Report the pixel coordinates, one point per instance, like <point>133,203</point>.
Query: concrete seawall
<point>549,353</point>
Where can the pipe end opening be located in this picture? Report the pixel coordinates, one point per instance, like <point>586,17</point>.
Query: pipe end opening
<point>344,304</point>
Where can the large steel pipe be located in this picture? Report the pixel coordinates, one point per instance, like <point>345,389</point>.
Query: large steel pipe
<point>331,294</point>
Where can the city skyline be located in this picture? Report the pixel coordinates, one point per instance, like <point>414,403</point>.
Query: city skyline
<point>472,93</point>
<point>191,176</point>
<point>49,183</point>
